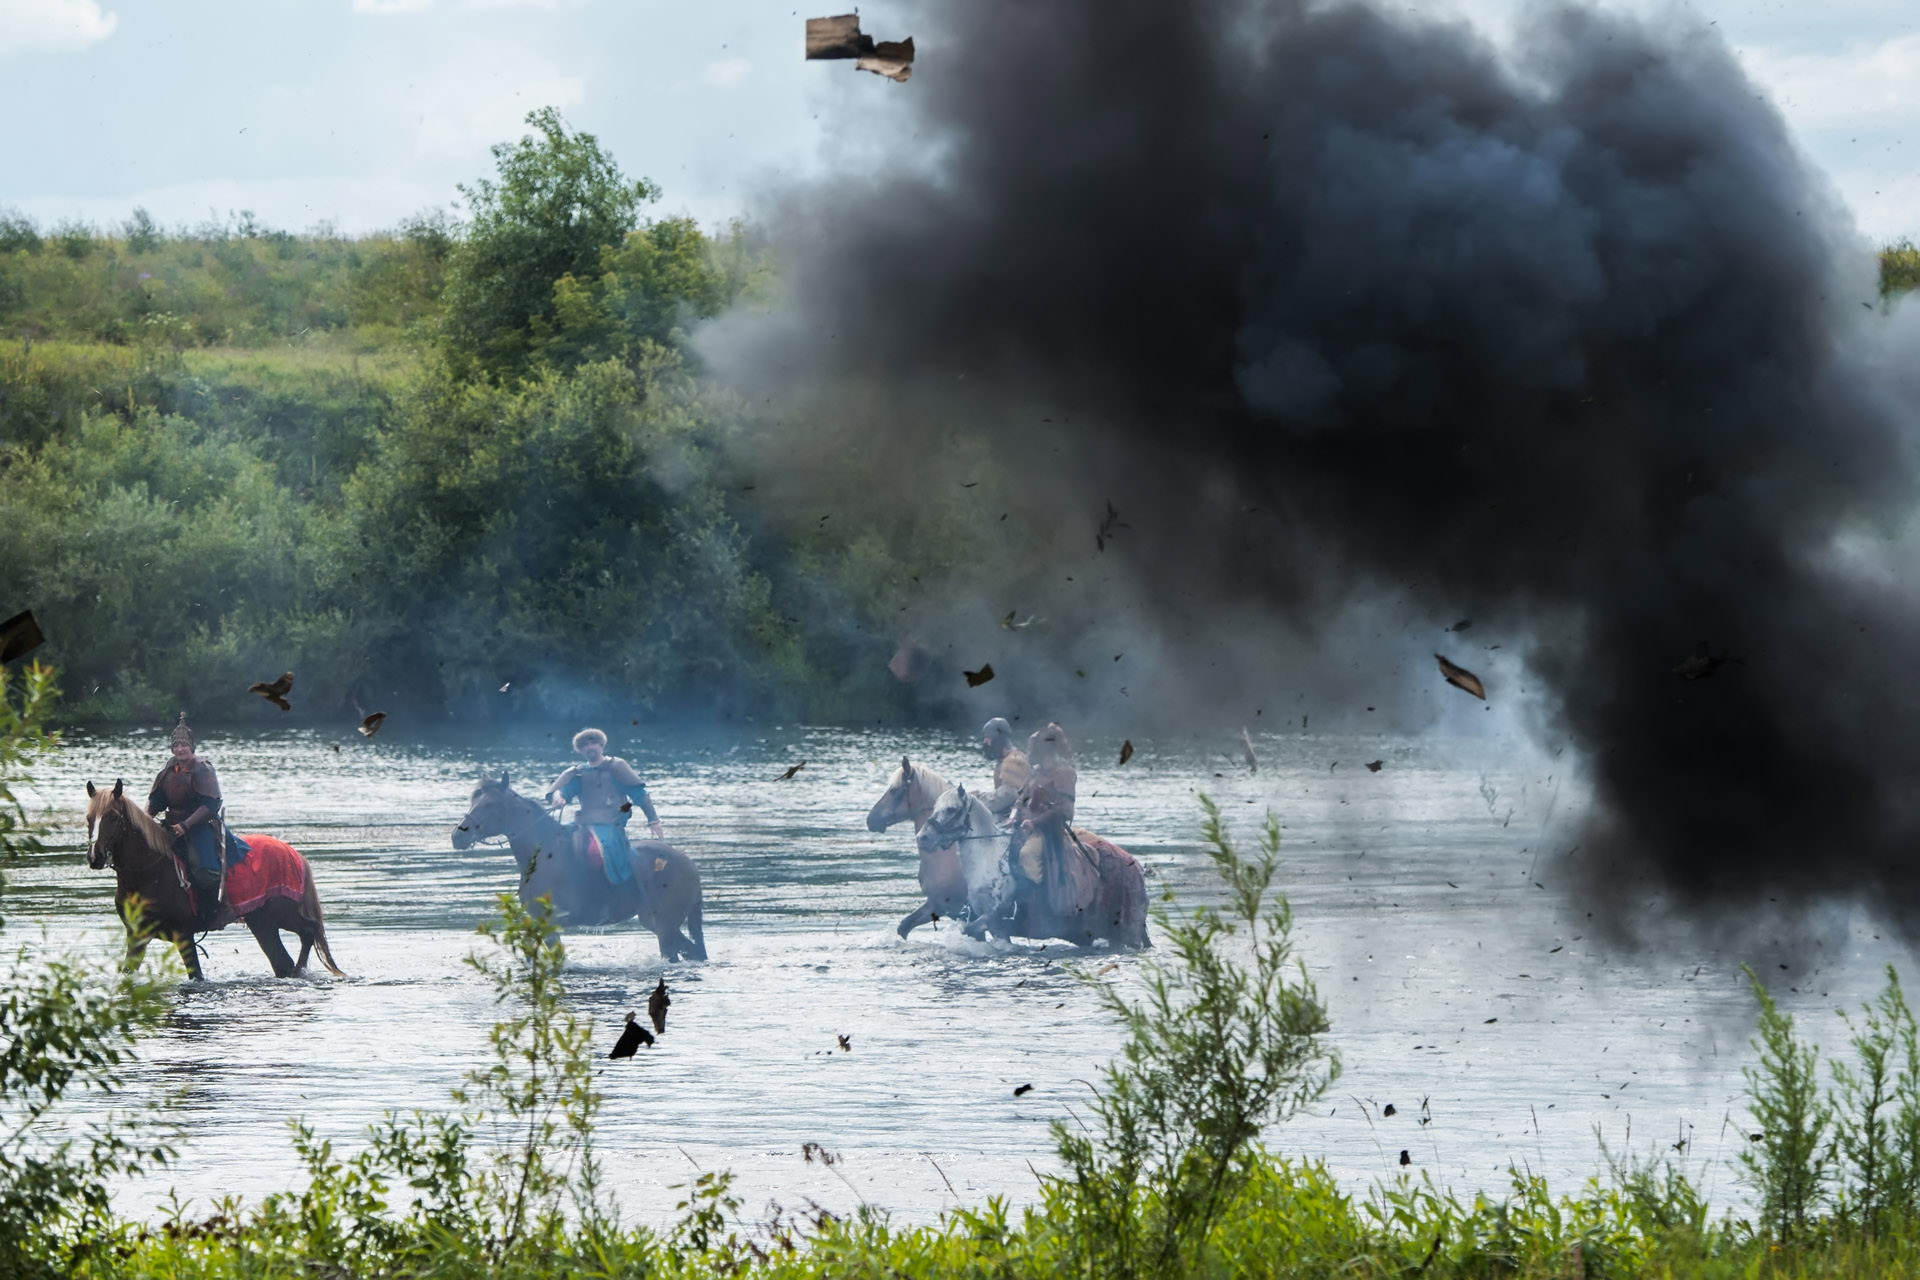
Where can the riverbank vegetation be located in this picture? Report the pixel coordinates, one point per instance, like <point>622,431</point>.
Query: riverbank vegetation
<point>463,469</point>
<point>1165,1175</point>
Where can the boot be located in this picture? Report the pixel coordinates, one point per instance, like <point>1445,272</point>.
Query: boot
<point>206,896</point>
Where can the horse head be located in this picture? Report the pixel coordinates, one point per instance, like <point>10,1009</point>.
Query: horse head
<point>491,812</point>
<point>106,823</point>
<point>951,819</point>
<point>896,803</point>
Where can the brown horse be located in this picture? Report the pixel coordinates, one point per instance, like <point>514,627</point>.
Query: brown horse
<point>579,891</point>
<point>121,835</point>
<point>1115,910</point>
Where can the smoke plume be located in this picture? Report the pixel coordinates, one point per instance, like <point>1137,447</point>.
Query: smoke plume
<point>1340,307</point>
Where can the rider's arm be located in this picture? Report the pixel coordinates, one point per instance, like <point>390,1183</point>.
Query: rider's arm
<point>565,787</point>
<point>635,790</point>
<point>157,798</point>
<point>206,786</point>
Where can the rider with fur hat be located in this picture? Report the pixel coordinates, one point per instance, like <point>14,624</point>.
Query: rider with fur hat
<point>186,799</point>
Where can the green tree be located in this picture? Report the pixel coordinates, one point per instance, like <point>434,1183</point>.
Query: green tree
<point>66,1027</point>
<point>557,201</point>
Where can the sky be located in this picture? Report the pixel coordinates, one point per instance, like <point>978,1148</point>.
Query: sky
<point>363,113</point>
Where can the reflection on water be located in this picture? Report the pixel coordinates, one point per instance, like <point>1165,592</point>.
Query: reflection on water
<point>1416,907</point>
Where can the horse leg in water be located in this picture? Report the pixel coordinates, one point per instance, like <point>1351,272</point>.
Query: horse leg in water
<point>189,954</point>
<point>696,930</point>
<point>266,932</point>
<point>915,918</point>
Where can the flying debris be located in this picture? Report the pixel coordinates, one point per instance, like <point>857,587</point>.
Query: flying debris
<point>657,1004</point>
<point>977,678</point>
<point>508,685</point>
<point>1108,524</point>
<point>1461,625</point>
<point>1022,1089</point>
<point>1703,662</point>
<point>1373,766</point>
<point>1387,1110</point>
<point>1126,751</point>
<point>1011,625</point>
<point>1461,678</point>
<point>1405,1159</point>
<point>632,1038</point>
<point>371,724</point>
<point>788,775</point>
<point>841,37</point>
<point>277,692</point>
<point>909,662</point>
<point>1246,750</point>
<point>846,1043</point>
<point>19,636</point>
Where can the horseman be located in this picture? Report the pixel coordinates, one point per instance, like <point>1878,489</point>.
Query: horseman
<point>188,790</point>
<point>1009,768</point>
<point>1049,863</point>
<point>607,789</point>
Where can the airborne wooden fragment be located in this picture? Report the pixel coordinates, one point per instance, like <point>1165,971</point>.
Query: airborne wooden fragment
<point>277,692</point>
<point>19,636</point>
<point>840,37</point>
<point>1246,749</point>
<point>977,678</point>
<point>1461,678</point>
<point>371,725</point>
<point>1126,751</point>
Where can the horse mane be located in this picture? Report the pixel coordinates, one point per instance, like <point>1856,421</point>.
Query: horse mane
<point>921,775</point>
<point>158,838</point>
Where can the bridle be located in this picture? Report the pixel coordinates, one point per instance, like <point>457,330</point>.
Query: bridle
<point>530,813</point>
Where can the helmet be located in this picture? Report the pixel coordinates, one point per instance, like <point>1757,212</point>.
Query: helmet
<point>181,733</point>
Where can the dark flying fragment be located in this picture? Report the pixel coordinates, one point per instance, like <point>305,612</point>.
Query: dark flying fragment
<point>19,636</point>
<point>1387,1110</point>
<point>787,776</point>
<point>1461,625</point>
<point>277,692</point>
<point>977,678</point>
<point>631,1038</point>
<point>841,37</point>
<point>1702,663</point>
<point>1021,1089</point>
<point>1405,1159</point>
<point>371,725</point>
<point>1461,678</point>
<point>1373,766</point>
<point>1126,751</point>
<point>1246,749</point>
<point>846,1043</point>
<point>1108,523</point>
<point>657,1004</point>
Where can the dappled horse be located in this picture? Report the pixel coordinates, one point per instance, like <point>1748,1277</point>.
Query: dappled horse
<point>1116,909</point>
<point>578,888</point>
<point>271,890</point>
<point>962,824</point>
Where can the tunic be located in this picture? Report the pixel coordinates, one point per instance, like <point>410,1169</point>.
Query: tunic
<point>188,792</point>
<point>601,790</point>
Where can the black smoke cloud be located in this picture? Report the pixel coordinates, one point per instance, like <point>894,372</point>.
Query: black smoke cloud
<point>1346,306</point>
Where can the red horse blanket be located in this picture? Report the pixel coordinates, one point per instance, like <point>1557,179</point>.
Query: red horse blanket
<point>271,869</point>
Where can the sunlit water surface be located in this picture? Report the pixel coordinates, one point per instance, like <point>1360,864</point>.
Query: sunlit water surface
<point>1461,979</point>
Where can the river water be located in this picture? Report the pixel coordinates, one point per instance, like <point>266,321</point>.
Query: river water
<point>1462,984</point>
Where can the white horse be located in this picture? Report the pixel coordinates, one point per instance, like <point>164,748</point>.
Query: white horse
<point>963,823</point>
<point>914,794</point>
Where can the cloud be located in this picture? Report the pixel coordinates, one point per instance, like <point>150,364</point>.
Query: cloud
<point>390,6</point>
<point>727,73</point>
<point>52,24</point>
<point>1866,85</point>
<point>476,102</point>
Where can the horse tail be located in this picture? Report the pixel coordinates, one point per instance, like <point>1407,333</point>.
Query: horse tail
<point>310,908</point>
